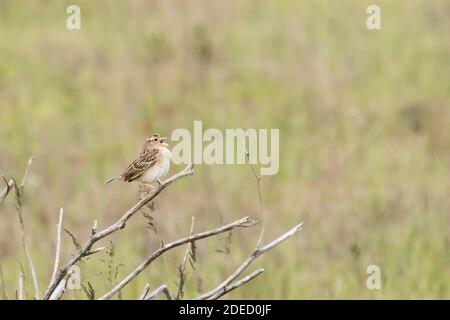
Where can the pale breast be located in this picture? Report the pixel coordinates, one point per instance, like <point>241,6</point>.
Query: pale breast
<point>166,159</point>
<point>160,169</point>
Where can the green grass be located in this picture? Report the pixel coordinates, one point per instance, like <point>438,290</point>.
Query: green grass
<point>363,118</point>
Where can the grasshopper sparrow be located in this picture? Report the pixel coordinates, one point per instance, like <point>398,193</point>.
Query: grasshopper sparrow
<point>152,163</point>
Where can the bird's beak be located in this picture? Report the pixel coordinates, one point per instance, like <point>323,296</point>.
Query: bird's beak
<point>163,139</point>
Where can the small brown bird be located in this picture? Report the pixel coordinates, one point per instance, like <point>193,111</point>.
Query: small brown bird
<point>152,163</point>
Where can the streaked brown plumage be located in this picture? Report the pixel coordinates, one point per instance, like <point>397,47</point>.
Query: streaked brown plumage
<point>151,165</point>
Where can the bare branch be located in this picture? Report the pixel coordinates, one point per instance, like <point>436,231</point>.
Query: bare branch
<point>91,252</point>
<point>185,259</point>
<point>119,225</point>
<point>19,193</point>
<point>8,188</point>
<point>29,260</point>
<point>244,222</point>
<point>237,284</point>
<point>145,292</point>
<point>21,286</point>
<point>2,283</point>
<point>260,198</point>
<point>188,248</point>
<point>58,245</point>
<point>162,289</point>
<point>59,291</point>
<point>58,282</point>
<point>27,171</point>
<point>221,288</point>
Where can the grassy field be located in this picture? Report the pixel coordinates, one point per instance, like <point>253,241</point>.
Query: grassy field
<point>364,138</point>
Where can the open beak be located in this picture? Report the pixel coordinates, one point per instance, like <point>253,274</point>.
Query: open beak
<point>163,139</point>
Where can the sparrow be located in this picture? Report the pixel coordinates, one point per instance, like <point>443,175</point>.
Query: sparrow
<point>152,163</point>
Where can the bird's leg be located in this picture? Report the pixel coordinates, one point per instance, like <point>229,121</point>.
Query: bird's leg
<point>159,182</point>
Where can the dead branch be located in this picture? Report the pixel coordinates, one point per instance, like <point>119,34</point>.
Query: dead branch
<point>162,289</point>
<point>183,264</point>
<point>29,259</point>
<point>19,194</point>
<point>58,245</point>
<point>58,282</point>
<point>9,186</point>
<point>119,225</point>
<point>59,291</point>
<point>260,198</point>
<point>239,283</point>
<point>145,292</point>
<point>189,247</point>
<point>21,286</point>
<point>244,222</point>
<point>2,283</point>
<point>223,288</point>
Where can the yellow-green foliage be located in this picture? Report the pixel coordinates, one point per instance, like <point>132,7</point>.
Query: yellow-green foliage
<point>364,124</point>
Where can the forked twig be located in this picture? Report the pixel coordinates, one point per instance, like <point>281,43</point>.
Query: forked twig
<point>237,284</point>
<point>145,292</point>
<point>241,223</point>
<point>162,289</point>
<point>58,282</point>
<point>224,286</point>
<point>119,225</point>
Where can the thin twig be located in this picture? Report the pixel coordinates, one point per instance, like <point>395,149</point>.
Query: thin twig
<point>8,188</point>
<point>93,251</point>
<point>29,259</point>
<point>185,259</point>
<point>162,289</point>
<point>58,245</point>
<point>189,247</point>
<point>255,254</point>
<point>21,286</point>
<point>59,291</point>
<point>27,171</point>
<point>244,222</point>
<point>145,292</point>
<point>237,284</point>
<point>260,199</point>
<point>2,282</point>
<point>119,225</point>
<point>19,193</point>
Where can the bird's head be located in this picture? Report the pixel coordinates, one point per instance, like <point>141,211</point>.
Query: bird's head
<point>156,139</point>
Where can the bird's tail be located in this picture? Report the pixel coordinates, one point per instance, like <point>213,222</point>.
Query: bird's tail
<point>113,179</point>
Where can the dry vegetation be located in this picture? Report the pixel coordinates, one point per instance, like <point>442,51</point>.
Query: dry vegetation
<point>363,118</point>
<point>63,274</point>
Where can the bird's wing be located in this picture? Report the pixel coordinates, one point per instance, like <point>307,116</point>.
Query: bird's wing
<point>144,161</point>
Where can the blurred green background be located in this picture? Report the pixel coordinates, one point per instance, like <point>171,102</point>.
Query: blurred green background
<point>364,139</point>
